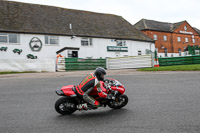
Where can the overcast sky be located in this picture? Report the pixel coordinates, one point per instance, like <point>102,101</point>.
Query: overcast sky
<point>134,10</point>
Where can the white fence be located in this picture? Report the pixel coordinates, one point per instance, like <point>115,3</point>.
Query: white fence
<point>60,64</point>
<point>23,65</point>
<point>130,62</point>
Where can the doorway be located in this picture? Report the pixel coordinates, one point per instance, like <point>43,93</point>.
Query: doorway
<point>72,54</point>
<point>75,54</point>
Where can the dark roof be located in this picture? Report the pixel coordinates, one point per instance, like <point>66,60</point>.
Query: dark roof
<point>197,30</point>
<point>145,24</point>
<point>68,48</point>
<point>41,19</point>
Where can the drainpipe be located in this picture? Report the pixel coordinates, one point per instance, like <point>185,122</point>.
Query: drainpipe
<point>152,56</point>
<point>172,43</point>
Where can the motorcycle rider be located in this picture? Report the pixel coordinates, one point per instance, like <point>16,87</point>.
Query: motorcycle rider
<point>88,84</point>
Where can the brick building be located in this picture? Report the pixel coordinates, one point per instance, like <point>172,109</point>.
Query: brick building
<point>171,39</point>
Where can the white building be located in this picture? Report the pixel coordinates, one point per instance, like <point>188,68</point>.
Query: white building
<point>41,32</point>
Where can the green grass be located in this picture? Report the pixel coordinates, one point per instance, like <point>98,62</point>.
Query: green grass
<point>195,67</point>
<point>14,72</point>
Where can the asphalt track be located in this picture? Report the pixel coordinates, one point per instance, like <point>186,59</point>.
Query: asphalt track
<point>159,102</point>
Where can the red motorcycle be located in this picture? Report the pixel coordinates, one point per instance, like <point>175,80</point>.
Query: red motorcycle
<point>70,102</point>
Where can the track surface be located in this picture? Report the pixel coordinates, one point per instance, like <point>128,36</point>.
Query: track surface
<point>159,102</point>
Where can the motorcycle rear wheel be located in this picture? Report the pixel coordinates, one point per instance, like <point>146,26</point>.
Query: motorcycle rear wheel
<point>61,106</point>
<point>117,101</point>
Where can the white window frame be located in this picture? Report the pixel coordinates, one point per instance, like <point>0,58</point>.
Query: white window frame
<point>165,38</point>
<point>179,39</point>
<point>185,28</point>
<point>193,40</point>
<point>8,38</point>
<point>155,37</point>
<point>49,38</point>
<point>86,41</point>
<point>186,39</point>
<point>69,54</point>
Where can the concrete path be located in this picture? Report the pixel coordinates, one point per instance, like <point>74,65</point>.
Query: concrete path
<point>82,73</point>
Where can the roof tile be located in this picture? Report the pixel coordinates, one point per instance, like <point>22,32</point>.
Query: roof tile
<point>41,19</point>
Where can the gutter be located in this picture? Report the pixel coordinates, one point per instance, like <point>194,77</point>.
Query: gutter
<point>59,34</point>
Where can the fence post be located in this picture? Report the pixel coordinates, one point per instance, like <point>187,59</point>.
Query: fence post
<point>152,59</point>
<point>107,63</point>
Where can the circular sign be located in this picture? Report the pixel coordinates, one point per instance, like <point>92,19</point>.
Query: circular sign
<point>35,44</point>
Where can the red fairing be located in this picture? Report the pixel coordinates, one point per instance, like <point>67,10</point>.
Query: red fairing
<point>121,89</point>
<point>68,90</point>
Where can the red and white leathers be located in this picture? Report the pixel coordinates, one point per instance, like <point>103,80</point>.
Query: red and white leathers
<point>86,86</point>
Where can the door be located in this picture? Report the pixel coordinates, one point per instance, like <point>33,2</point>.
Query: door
<point>179,51</point>
<point>165,52</point>
<point>75,54</point>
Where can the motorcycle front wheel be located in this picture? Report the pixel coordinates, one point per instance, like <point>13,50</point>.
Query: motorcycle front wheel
<point>65,106</point>
<point>119,102</point>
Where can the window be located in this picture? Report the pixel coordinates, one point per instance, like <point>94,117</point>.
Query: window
<point>165,38</point>
<point>69,54</point>
<point>10,38</point>
<point>121,42</point>
<point>155,37</point>
<point>3,38</point>
<point>186,39</point>
<point>51,40</point>
<point>86,42</point>
<point>179,39</point>
<point>193,40</point>
<point>185,28</point>
<point>139,52</point>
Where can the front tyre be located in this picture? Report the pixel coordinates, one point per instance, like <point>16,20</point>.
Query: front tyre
<point>65,106</point>
<point>119,102</point>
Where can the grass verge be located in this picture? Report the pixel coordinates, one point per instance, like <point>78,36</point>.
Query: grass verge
<point>14,72</point>
<point>195,67</point>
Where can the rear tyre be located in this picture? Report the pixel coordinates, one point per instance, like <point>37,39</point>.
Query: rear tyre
<point>65,106</point>
<point>120,102</point>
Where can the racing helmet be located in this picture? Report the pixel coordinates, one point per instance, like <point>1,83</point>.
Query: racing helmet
<point>99,73</point>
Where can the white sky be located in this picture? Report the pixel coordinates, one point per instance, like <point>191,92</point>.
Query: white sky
<point>134,10</point>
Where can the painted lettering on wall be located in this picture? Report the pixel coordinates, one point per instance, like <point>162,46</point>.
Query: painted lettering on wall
<point>117,48</point>
<point>185,32</point>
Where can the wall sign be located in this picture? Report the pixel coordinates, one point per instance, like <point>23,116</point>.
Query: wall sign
<point>185,32</point>
<point>35,44</point>
<point>117,49</point>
